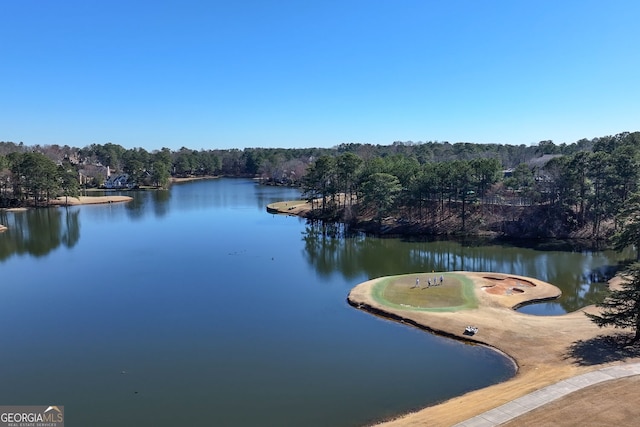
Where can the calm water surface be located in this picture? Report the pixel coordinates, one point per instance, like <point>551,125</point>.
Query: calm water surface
<point>195,306</point>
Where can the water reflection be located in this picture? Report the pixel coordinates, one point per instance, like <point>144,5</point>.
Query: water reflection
<point>202,194</point>
<point>135,209</point>
<point>161,200</point>
<point>37,232</point>
<point>581,275</point>
<point>143,203</point>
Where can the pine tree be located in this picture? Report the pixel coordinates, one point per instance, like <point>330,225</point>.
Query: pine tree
<point>629,220</point>
<point>621,309</point>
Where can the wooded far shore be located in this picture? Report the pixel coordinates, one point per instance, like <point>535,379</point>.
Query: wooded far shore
<point>546,190</point>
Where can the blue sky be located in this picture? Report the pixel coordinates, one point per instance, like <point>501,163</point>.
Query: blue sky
<point>307,73</point>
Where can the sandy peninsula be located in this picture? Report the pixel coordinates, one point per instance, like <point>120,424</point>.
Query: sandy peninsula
<point>88,200</point>
<point>191,178</point>
<point>546,349</point>
<point>290,207</point>
<point>74,201</point>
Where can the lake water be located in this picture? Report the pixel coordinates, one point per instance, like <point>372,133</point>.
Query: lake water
<point>196,307</point>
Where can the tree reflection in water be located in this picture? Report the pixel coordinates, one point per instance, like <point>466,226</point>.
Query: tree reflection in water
<point>580,273</point>
<point>37,232</point>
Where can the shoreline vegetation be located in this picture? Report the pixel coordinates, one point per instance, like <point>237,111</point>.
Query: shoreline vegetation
<point>92,200</point>
<point>545,349</point>
<point>567,191</point>
<point>397,225</point>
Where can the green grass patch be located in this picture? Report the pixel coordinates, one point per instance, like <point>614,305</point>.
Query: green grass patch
<point>456,292</point>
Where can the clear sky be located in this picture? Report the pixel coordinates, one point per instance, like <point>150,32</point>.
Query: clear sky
<point>316,73</point>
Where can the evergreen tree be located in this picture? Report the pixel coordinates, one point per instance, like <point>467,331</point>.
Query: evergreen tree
<point>380,192</point>
<point>621,309</point>
<point>348,166</point>
<point>629,220</point>
<point>68,178</point>
<point>320,181</point>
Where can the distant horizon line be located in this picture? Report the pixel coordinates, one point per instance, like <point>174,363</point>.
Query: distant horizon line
<point>396,142</point>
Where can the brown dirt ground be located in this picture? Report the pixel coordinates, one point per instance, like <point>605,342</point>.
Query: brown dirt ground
<point>612,403</point>
<point>547,349</point>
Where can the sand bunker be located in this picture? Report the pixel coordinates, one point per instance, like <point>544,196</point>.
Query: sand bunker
<point>506,285</point>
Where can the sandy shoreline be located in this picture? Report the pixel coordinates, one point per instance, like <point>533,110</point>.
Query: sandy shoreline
<point>75,201</point>
<point>191,178</point>
<point>546,349</point>
<point>88,200</point>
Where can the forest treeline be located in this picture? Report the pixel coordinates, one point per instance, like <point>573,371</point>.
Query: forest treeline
<point>569,191</point>
<point>543,190</point>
